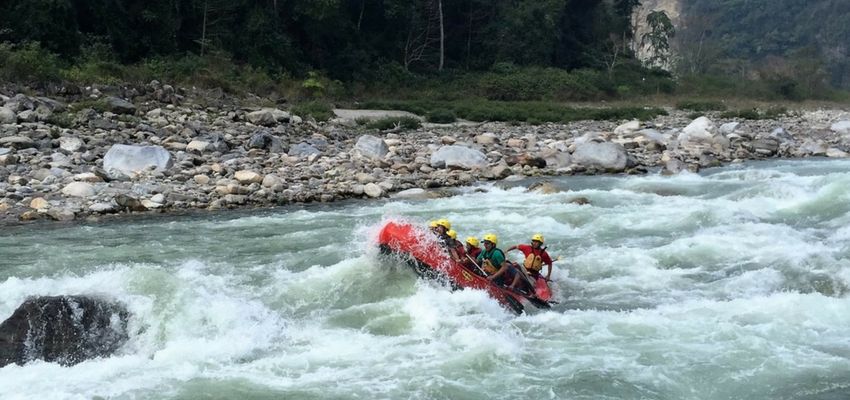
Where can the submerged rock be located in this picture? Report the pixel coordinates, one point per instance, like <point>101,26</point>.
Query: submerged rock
<point>63,329</point>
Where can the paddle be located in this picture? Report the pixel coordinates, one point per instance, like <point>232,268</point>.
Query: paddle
<point>481,270</point>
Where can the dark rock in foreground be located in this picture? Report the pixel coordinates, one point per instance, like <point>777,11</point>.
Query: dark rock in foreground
<point>63,329</point>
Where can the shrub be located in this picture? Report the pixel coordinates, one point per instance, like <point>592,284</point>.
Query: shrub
<point>319,110</point>
<point>701,105</point>
<point>405,123</point>
<point>28,62</point>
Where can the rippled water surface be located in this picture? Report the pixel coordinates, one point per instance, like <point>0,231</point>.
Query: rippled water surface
<point>731,284</point>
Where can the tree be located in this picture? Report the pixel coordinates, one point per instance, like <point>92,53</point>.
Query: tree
<point>657,39</point>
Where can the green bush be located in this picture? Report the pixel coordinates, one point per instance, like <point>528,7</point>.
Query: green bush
<point>28,62</point>
<point>441,116</point>
<point>319,110</point>
<point>701,105</point>
<point>756,114</point>
<point>405,123</point>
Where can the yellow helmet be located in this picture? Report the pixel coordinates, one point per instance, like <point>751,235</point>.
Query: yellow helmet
<point>491,238</point>
<point>452,234</point>
<point>444,223</point>
<point>537,237</point>
<point>473,241</point>
<point>432,224</point>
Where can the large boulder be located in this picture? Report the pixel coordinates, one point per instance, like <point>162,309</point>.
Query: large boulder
<point>17,142</point>
<point>371,147</point>
<point>7,116</point>
<point>119,106</point>
<point>608,156</point>
<point>130,160</point>
<point>303,150</point>
<point>79,189</point>
<point>267,141</point>
<point>268,117</point>
<point>841,127</point>
<point>458,157</point>
<point>702,134</point>
<point>63,329</point>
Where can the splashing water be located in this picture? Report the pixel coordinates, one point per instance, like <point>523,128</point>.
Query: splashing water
<point>728,284</point>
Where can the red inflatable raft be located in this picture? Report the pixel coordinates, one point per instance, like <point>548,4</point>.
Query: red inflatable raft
<point>422,252</point>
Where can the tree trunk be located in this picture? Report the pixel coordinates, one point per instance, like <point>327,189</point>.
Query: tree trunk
<point>204,29</point>
<point>442,35</point>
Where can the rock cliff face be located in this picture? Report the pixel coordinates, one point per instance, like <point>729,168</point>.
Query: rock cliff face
<point>673,8</point>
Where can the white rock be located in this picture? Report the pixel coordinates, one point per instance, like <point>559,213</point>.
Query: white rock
<point>39,203</point>
<point>458,157</point>
<point>610,156</point>
<point>841,127</point>
<point>268,117</point>
<point>372,190</point>
<point>158,198</point>
<point>627,128</point>
<point>197,146</point>
<point>79,189</point>
<point>487,138</point>
<point>70,144</point>
<point>150,204</point>
<point>129,160</point>
<point>371,147</point>
<point>201,179</point>
<point>7,116</point>
<point>835,153</point>
<point>271,180</point>
<point>246,177</point>
<point>87,177</point>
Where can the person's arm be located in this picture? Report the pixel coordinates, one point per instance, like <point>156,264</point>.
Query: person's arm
<point>511,248</point>
<point>548,262</point>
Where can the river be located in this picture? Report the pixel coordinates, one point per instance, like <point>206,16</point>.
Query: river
<point>729,284</point>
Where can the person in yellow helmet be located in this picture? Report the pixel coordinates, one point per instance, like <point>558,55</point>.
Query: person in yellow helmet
<point>535,257</point>
<point>492,259</point>
<point>455,247</point>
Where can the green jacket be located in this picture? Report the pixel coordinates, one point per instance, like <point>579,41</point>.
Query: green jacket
<point>496,257</point>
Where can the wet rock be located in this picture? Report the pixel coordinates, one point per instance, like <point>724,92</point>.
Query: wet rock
<point>63,329</point>
<point>129,203</point>
<point>836,153</point>
<point>813,148</point>
<point>371,147</point>
<point>766,146</point>
<point>543,187</point>
<point>129,160</point>
<point>104,208</point>
<point>500,171</point>
<point>582,201</point>
<point>60,214</point>
<point>31,215</point>
<point>608,156</point>
<point>458,157</point>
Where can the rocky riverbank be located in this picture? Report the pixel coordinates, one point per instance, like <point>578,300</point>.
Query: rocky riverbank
<point>90,152</point>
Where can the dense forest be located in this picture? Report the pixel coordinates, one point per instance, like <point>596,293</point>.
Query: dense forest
<point>493,49</point>
<point>349,39</point>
